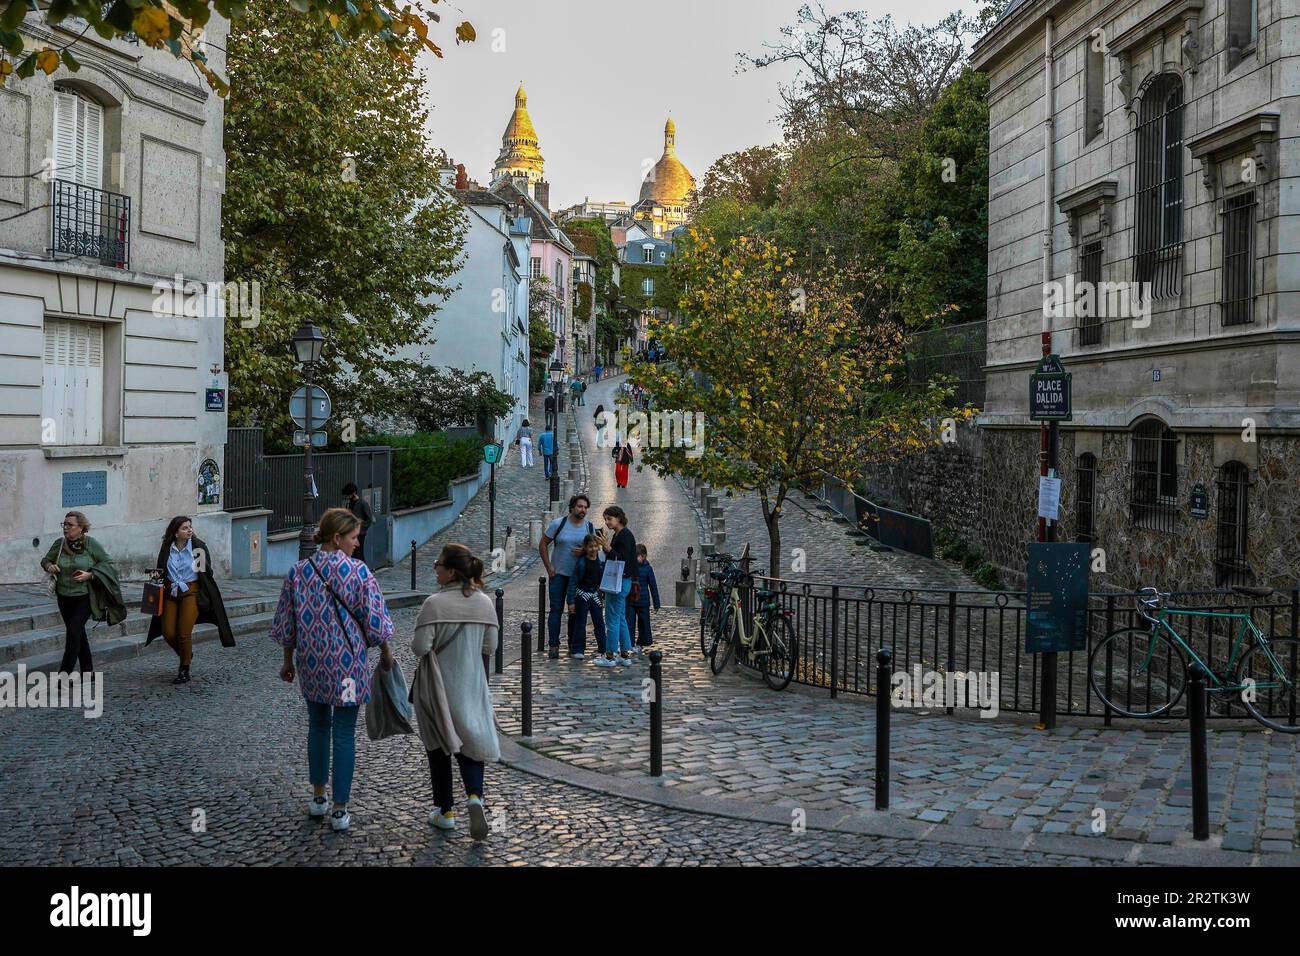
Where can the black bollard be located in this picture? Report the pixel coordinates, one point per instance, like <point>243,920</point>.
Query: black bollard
<point>884,671</point>
<point>1200,759</point>
<point>541,614</point>
<point>413,553</point>
<point>656,714</point>
<point>501,631</point>
<point>526,679</point>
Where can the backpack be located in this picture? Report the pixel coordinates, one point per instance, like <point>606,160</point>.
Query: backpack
<point>554,529</point>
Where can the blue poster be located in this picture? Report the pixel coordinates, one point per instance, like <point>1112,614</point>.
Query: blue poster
<point>1057,602</point>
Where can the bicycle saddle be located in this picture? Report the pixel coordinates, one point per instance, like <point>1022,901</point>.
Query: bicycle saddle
<point>1251,592</point>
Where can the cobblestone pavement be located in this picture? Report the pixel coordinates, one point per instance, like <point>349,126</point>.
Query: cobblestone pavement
<point>229,749</point>
<point>731,738</point>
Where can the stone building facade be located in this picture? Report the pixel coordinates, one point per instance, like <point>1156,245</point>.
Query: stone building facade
<point>112,393</point>
<point>1160,259</point>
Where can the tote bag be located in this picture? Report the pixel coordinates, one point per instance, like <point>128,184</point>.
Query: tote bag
<point>611,581</point>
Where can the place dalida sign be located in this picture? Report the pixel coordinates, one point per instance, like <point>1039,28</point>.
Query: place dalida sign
<point>1049,391</point>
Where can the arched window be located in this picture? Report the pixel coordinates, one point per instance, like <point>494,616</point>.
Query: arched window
<point>1232,551</point>
<point>1154,461</point>
<point>1158,239</point>
<point>1086,475</point>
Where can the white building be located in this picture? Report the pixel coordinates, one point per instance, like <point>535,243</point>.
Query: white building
<point>112,398</point>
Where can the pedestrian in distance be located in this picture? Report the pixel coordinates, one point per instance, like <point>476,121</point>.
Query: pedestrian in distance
<point>190,594</point>
<point>599,372</point>
<point>601,418</point>
<point>546,443</point>
<point>567,534</point>
<point>525,442</point>
<point>331,612</point>
<point>584,596</point>
<point>638,607</point>
<point>623,458</point>
<point>455,635</point>
<point>361,508</point>
<point>85,586</point>
<point>582,393</point>
<point>620,547</point>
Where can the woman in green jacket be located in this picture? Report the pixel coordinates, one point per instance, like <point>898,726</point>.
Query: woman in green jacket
<point>69,561</point>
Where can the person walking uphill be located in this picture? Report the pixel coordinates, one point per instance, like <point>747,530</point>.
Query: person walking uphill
<point>455,635</point>
<point>330,612</point>
<point>623,457</point>
<point>190,594</point>
<point>85,586</point>
<point>546,444</point>
<point>359,507</point>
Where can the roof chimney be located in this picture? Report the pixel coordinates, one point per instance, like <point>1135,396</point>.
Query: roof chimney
<point>462,180</point>
<point>542,193</point>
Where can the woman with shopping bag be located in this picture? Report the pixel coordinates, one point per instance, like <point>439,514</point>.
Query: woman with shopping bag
<point>189,594</point>
<point>620,559</point>
<point>455,635</point>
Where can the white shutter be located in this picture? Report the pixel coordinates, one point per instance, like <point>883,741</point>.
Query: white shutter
<point>65,137</point>
<point>72,390</point>
<point>90,144</point>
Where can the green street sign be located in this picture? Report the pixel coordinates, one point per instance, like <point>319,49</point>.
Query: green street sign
<point>1049,391</point>
<point>491,453</point>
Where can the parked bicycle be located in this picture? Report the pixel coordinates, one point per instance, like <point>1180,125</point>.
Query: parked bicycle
<point>1141,671</point>
<point>771,645</point>
<point>713,598</point>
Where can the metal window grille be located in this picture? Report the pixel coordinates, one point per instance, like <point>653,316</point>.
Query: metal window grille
<point>90,222</point>
<point>1158,257</point>
<point>1154,497</point>
<point>1232,551</point>
<point>1086,469</point>
<point>1239,259</point>
<point>1090,272</point>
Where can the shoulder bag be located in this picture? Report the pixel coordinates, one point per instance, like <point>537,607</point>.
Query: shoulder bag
<point>339,604</point>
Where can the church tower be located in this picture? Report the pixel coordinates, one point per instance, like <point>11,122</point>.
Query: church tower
<point>520,161</point>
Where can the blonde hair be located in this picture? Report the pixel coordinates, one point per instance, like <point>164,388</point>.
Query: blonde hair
<point>81,520</point>
<point>336,521</point>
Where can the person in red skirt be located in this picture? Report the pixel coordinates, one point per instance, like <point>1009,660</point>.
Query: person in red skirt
<point>622,459</point>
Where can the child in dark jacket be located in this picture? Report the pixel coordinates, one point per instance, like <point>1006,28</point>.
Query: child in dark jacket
<point>638,611</point>
<point>584,595</point>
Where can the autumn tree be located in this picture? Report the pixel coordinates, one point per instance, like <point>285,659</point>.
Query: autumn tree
<point>751,176</point>
<point>794,381</point>
<point>176,26</point>
<point>333,206</point>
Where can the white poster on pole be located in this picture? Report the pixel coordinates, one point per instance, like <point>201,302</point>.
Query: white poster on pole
<point>1049,498</point>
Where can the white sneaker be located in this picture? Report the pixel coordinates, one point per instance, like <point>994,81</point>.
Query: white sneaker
<point>606,662</point>
<point>340,820</point>
<point>478,825</point>
<point>625,661</point>
<point>443,821</point>
<point>319,807</point>
<point>578,656</point>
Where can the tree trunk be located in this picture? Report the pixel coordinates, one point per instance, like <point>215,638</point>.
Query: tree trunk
<point>774,543</point>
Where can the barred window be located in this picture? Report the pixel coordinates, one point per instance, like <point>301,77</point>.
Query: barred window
<point>1086,471</point>
<point>1239,259</point>
<point>1158,247</point>
<point>1090,272</point>
<point>1231,558</point>
<point>1154,497</point>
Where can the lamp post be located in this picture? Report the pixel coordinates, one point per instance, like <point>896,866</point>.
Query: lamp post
<point>307,345</point>
<point>557,373</point>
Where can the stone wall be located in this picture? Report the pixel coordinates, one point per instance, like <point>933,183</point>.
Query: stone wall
<point>942,484</point>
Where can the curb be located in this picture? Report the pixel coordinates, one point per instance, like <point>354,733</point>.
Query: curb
<point>874,824</point>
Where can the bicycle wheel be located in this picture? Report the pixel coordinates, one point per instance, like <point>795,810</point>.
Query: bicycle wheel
<point>1148,672</point>
<point>778,663</point>
<point>708,621</point>
<point>1276,706</point>
<point>724,643</point>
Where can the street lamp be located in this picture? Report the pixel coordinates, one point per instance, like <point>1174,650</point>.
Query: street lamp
<point>308,342</point>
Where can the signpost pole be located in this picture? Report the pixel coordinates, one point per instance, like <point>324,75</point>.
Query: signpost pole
<point>306,540</point>
<point>492,509</point>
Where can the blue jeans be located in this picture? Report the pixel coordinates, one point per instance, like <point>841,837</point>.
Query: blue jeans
<point>548,463</point>
<point>638,624</point>
<point>557,591</point>
<point>617,636</point>
<point>343,725</point>
<point>578,630</point>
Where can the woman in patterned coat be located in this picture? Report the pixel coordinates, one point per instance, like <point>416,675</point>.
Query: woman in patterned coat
<point>331,610</point>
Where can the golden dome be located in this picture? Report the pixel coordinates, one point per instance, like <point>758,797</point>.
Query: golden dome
<point>519,152</point>
<point>670,182</point>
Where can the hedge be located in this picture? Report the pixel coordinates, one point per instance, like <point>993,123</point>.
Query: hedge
<point>425,463</point>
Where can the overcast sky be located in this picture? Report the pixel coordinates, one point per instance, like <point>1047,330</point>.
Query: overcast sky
<point>603,75</point>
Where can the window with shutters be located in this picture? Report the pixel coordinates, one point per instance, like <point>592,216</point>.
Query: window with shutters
<point>72,382</point>
<point>87,220</point>
<point>78,140</point>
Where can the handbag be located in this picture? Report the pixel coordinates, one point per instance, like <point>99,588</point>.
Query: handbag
<point>52,588</point>
<point>154,596</point>
<point>611,581</point>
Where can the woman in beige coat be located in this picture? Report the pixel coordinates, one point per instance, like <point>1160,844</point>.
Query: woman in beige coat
<point>454,635</point>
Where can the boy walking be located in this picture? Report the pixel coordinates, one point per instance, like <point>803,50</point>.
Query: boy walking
<point>638,611</point>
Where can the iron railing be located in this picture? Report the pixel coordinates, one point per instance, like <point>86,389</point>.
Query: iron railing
<point>245,480</point>
<point>841,627</point>
<point>90,222</point>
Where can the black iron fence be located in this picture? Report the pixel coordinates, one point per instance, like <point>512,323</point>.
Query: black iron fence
<point>90,222</point>
<point>956,350</point>
<point>840,629</point>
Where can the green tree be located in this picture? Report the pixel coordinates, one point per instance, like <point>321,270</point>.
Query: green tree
<point>541,340</point>
<point>176,25</point>
<point>430,399</point>
<point>343,224</point>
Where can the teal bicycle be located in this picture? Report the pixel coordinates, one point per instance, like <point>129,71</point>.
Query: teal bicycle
<point>1142,671</point>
